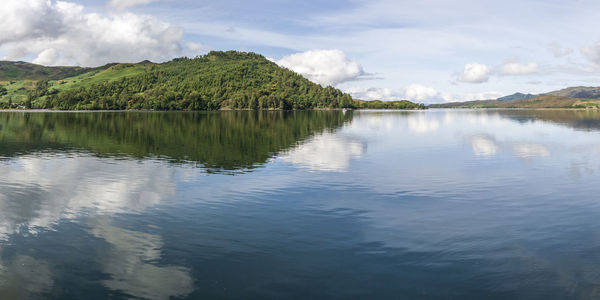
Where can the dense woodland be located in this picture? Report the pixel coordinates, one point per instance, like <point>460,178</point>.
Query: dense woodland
<point>378,104</point>
<point>218,80</point>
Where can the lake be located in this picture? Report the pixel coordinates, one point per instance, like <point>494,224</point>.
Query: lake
<point>438,204</point>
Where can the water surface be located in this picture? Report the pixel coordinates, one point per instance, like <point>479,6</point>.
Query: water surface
<point>436,204</point>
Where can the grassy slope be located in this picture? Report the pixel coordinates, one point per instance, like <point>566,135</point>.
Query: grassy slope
<point>112,73</point>
<point>18,89</point>
<point>14,71</point>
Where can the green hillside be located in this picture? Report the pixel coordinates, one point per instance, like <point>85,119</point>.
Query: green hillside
<point>218,80</point>
<point>12,71</point>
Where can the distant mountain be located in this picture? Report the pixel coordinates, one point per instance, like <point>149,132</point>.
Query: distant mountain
<point>516,96</point>
<point>577,92</point>
<point>573,97</point>
<point>470,104</point>
<point>26,71</point>
<point>543,101</point>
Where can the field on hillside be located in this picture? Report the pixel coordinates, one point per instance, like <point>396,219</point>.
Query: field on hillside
<point>16,91</point>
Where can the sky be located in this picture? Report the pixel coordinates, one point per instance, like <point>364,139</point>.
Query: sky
<point>427,51</point>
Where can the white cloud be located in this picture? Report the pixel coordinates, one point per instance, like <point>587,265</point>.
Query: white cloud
<point>515,67</point>
<point>121,5</point>
<point>417,92</point>
<point>61,31</point>
<point>592,53</point>
<point>414,92</point>
<point>27,19</point>
<point>372,93</point>
<point>475,73</point>
<point>559,51</point>
<point>47,57</point>
<point>325,67</point>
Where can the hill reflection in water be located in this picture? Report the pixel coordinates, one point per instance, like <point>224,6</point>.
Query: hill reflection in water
<point>216,141</point>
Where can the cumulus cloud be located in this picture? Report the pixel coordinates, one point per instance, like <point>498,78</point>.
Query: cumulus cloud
<point>47,57</point>
<point>475,73</point>
<point>417,92</point>
<point>592,53</point>
<point>413,92</point>
<point>515,67</point>
<point>325,67</point>
<point>60,32</point>
<point>121,5</point>
<point>372,93</point>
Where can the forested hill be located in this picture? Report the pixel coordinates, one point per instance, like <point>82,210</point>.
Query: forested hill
<point>218,80</point>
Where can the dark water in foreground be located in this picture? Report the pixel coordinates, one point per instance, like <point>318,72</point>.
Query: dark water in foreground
<point>373,205</point>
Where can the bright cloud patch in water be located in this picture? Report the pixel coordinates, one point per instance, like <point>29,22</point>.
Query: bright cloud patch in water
<point>484,145</point>
<point>325,152</point>
<point>530,150</point>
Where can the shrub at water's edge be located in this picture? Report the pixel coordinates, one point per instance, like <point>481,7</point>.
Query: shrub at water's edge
<point>216,81</point>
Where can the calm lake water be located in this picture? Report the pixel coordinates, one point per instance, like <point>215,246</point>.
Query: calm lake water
<point>435,204</point>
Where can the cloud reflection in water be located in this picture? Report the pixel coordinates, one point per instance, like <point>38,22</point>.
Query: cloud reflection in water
<point>484,145</point>
<point>325,152</point>
<point>37,193</point>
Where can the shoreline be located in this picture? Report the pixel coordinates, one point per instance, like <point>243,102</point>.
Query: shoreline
<point>265,110</point>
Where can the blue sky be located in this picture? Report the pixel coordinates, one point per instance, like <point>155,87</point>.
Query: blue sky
<point>426,51</point>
